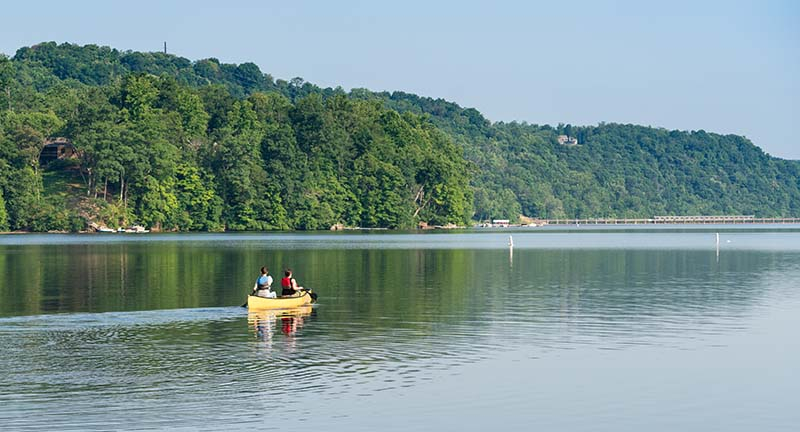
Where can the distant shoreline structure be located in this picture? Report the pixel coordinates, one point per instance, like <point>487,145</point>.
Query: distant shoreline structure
<point>675,220</point>
<point>504,223</point>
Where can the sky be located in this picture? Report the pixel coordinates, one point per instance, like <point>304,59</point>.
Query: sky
<point>722,66</point>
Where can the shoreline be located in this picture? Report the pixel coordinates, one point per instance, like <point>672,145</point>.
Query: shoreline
<point>477,228</point>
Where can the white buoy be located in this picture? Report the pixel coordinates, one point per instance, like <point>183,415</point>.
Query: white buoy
<point>510,241</point>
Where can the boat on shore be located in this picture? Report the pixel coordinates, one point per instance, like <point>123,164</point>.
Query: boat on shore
<point>133,229</point>
<point>262,303</point>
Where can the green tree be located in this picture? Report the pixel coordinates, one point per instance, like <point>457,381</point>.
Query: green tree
<point>6,79</point>
<point>3,213</point>
<point>199,207</point>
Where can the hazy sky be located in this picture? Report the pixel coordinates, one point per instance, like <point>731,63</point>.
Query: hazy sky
<point>722,66</point>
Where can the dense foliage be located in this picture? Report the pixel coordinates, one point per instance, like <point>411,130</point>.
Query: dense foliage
<point>175,144</point>
<point>616,170</point>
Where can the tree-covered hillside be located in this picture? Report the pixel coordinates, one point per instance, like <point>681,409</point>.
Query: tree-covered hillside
<point>616,170</point>
<point>171,143</point>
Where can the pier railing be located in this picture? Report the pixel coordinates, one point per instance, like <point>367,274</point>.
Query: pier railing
<point>734,219</point>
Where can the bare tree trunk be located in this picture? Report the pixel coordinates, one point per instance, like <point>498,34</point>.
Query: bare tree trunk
<point>124,194</point>
<point>83,177</point>
<point>419,209</point>
<point>419,193</point>
<point>105,189</point>
<point>418,199</point>
<point>88,180</point>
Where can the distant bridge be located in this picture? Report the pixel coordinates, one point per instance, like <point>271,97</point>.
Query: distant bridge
<point>657,220</point>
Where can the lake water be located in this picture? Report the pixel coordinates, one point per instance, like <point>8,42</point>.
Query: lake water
<point>572,330</point>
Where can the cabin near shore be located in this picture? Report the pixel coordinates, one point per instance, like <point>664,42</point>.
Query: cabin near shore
<point>55,149</point>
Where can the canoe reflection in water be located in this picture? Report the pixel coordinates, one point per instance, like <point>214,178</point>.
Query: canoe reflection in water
<point>291,320</point>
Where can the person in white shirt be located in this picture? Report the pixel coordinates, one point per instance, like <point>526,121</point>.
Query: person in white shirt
<point>263,285</point>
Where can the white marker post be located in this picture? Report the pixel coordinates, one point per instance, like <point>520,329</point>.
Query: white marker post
<point>510,251</point>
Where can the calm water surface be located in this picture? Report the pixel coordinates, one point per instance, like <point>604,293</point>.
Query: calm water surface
<point>574,330</point>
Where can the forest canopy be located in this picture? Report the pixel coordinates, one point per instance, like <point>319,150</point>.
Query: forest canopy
<point>200,145</point>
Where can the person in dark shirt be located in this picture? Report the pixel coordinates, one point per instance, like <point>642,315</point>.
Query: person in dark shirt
<point>289,284</point>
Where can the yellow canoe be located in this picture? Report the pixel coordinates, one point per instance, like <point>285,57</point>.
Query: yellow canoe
<point>288,302</point>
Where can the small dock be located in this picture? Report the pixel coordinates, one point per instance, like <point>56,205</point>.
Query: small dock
<point>659,220</point>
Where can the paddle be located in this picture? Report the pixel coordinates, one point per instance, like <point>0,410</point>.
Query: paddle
<point>311,293</point>
<point>245,302</point>
<point>252,293</point>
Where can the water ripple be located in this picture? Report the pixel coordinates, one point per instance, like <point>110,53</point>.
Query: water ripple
<point>201,368</point>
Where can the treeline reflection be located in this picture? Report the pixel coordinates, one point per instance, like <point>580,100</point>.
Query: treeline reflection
<point>429,285</point>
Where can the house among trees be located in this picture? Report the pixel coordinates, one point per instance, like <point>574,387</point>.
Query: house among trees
<point>567,140</point>
<point>57,148</point>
